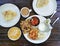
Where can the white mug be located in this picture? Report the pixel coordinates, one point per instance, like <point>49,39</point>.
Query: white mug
<point>29,10</point>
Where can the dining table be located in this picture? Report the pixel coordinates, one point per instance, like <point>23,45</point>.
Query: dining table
<point>53,40</point>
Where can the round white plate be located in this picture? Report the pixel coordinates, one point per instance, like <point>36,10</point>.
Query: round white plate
<point>46,10</point>
<point>47,34</point>
<point>6,7</point>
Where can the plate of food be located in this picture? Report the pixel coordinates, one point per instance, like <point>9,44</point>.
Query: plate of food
<point>33,27</point>
<point>9,14</point>
<point>44,7</point>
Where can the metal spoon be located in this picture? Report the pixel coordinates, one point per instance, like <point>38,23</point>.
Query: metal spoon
<point>53,14</point>
<point>55,21</point>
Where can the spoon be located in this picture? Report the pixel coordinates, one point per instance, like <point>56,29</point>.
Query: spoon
<point>55,21</point>
<point>53,14</point>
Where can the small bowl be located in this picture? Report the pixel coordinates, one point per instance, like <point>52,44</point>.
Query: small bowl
<point>26,10</point>
<point>35,21</point>
<point>14,33</point>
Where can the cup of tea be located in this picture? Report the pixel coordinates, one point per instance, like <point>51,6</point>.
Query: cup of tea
<point>25,12</point>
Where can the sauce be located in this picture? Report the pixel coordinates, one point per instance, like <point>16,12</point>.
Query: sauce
<point>35,21</point>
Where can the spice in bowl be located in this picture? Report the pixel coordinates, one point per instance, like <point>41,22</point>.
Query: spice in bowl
<point>35,21</point>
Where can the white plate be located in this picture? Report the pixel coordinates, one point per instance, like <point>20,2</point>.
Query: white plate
<point>5,7</point>
<point>47,34</point>
<point>46,10</point>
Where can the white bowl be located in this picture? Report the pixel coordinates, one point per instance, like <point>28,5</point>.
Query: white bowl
<point>25,16</point>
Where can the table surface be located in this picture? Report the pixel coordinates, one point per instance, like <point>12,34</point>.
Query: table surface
<point>54,39</point>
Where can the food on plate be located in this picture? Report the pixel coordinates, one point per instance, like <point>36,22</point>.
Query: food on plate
<point>14,33</point>
<point>29,27</point>
<point>33,33</point>
<point>9,15</point>
<point>41,35</point>
<point>35,21</point>
<point>25,25</point>
<point>41,3</point>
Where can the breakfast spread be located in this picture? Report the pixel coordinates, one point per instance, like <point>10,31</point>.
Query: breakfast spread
<point>35,28</point>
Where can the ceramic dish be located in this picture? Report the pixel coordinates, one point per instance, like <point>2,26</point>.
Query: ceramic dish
<point>14,33</point>
<point>47,10</point>
<point>46,34</point>
<point>6,7</point>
